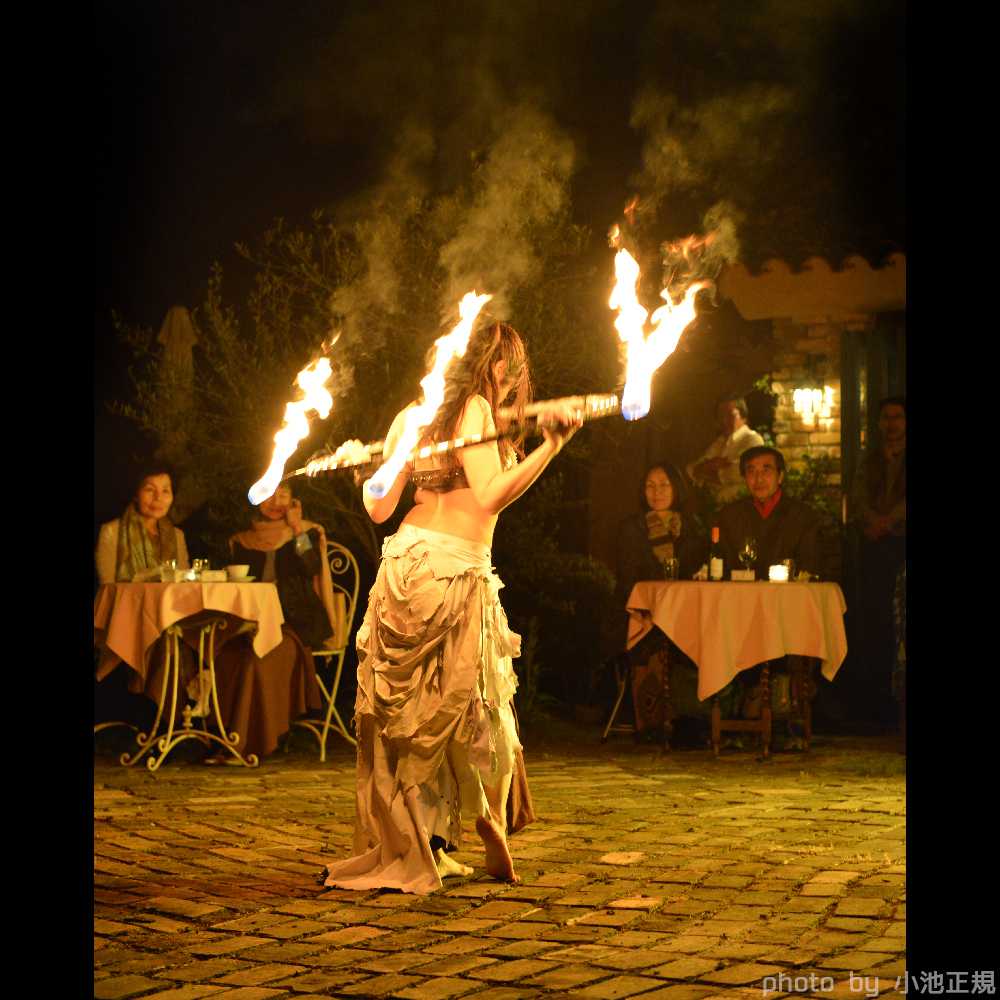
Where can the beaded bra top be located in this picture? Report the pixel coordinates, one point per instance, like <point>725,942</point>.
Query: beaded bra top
<point>440,480</point>
<point>446,480</point>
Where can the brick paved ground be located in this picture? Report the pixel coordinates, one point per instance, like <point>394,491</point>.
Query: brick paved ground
<point>659,876</point>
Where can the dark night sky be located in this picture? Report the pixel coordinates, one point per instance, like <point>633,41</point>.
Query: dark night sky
<point>217,118</point>
<point>209,130</point>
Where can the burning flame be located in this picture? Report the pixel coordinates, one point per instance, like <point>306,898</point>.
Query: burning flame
<point>452,345</point>
<point>645,354</point>
<point>312,381</point>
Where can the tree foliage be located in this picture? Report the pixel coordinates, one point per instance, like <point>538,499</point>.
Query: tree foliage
<point>220,431</point>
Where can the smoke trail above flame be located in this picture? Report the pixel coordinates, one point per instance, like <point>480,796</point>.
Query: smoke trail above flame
<point>312,381</point>
<point>446,348</point>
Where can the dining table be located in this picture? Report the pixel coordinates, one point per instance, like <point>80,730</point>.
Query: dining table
<point>726,627</point>
<point>131,619</point>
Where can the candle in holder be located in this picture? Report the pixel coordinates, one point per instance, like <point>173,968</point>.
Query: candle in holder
<point>777,574</point>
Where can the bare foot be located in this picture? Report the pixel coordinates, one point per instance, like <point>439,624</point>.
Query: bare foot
<point>499,863</point>
<point>447,866</point>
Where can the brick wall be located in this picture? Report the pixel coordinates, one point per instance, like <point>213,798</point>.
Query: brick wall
<point>796,346</point>
<point>803,352</point>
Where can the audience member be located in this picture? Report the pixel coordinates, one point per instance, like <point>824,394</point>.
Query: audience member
<point>879,505</point>
<point>259,697</point>
<point>282,547</point>
<point>132,548</point>
<point>718,468</point>
<point>646,541</point>
<point>782,528</point>
<point>657,532</point>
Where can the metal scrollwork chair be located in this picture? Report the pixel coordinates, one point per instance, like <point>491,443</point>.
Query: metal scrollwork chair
<point>345,578</point>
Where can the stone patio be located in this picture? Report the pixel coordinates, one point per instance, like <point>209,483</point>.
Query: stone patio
<point>662,876</point>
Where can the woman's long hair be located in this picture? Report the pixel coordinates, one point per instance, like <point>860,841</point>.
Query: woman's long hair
<point>472,374</point>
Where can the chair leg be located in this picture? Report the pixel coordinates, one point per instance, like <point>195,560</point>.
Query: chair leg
<point>668,708</point>
<point>807,693</point>
<point>614,711</point>
<point>340,725</point>
<point>765,709</point>
<point>332,718</point>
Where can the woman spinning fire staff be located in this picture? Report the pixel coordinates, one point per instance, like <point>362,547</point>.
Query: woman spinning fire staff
<point>433,716</point>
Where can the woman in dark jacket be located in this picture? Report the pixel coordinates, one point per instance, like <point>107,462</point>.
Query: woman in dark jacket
<point>646,540</point>
<point>658,532</point>
<point>259,697</point>
<point>283,548</point>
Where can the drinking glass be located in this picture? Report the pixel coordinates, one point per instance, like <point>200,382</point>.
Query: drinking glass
<point>748,554</point>
<point>167,570</point>
<point>670,568</point>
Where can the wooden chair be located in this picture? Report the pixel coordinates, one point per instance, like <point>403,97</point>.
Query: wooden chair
<point>801,691</point>
<point>345,578</point>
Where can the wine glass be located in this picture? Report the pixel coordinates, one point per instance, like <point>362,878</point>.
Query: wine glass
<point>748,554</point>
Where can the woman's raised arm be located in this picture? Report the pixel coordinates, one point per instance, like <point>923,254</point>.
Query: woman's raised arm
<point>380,509</point>
<point>494,487</point>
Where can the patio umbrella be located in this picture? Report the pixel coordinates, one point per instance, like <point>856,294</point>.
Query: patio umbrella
<point>178,336</point>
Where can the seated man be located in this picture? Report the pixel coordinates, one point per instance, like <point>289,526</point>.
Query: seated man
<point>783,528</point>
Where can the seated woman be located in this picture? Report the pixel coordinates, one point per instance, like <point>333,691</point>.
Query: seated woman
<point>131,548</point>
<point>259,697</point>
<point>646,540</point>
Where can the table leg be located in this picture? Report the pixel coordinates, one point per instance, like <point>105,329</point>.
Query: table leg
<point>716,725</point>
<point>171,680</point>
<point>206,665</point>
<point>171,670</point>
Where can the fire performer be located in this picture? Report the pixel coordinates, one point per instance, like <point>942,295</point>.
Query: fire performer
<point>435,725</point>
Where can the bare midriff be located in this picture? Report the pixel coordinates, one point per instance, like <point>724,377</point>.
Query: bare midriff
<point>453,513</point>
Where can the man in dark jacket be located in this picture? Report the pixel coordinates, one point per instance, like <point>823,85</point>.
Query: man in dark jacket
<point>783,527</point>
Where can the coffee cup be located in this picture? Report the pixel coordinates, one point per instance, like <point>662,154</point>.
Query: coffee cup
<point>238,572</point>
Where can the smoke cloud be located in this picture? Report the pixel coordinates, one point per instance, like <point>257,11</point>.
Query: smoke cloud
<point>717,147</point>
<point>520,185</point>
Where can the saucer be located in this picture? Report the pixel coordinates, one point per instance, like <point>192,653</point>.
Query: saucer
<point>243,579</point>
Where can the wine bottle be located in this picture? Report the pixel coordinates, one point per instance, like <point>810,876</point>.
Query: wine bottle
<point>715,561</point>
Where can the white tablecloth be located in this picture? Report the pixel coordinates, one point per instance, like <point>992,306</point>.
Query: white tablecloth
<point>727,627</point>
<point>130,617</point>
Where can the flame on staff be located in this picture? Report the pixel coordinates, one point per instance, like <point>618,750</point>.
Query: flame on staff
<point>452,345</point>
<point>312,381</point>
<point>645,354</point>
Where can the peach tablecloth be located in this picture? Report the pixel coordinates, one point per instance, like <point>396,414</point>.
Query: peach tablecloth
<point>728,627</point>
<point>130,617</point>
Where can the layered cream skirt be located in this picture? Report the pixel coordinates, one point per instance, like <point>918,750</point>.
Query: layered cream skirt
<point>433,713</point>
